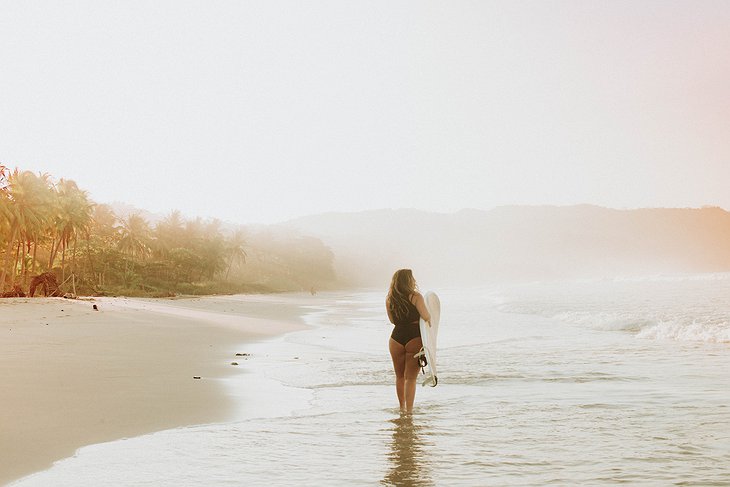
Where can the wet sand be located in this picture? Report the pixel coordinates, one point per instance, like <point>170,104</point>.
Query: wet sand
<point>73,376</point>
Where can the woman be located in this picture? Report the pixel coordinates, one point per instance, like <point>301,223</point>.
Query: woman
<point>405,306</point>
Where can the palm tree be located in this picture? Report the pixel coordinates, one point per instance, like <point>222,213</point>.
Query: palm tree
<point>235,248</point>
<point>104,222</point>
<point>6,215</point>
<point>205,242</point>
<point>194,232</point>
<point>38,232</point>
<point>104,236</point>
<point>169,233</point>
<point>73,217</point>
<point>136,235</point>
<point>212,256</point>
<point>25,209</point>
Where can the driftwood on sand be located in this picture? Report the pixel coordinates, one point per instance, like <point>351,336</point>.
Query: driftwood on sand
<point>48,282</point>
<point>16,292</point>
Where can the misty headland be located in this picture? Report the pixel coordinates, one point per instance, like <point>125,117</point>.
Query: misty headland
<point>518,243</point>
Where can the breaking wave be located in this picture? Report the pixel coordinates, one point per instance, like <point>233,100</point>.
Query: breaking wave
<point>680,308</point>
<point>694,332</point>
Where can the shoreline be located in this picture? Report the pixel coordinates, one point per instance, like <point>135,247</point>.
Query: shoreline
<point>76,376</point>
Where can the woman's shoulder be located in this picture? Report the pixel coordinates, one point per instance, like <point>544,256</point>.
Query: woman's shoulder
<point>415,297</point>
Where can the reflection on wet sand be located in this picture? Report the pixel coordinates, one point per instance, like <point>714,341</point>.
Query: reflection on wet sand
<point>407,454</point>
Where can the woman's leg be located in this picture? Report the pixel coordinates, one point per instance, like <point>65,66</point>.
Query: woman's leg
<point>398,354</point>
<point>411,371</point>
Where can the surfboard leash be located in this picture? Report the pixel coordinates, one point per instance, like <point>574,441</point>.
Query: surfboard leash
<point>422,362</point>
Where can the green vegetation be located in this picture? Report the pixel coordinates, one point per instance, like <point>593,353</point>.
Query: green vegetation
<point>54,226</point>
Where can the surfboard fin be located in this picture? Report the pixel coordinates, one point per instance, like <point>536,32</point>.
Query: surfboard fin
<point>430,381</point>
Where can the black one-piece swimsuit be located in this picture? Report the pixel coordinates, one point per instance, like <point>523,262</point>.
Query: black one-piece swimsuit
<point>406,328</point>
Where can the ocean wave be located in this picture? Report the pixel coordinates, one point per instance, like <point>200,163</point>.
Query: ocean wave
<point>693,332</point>
<point>679,328</point>
<point>688,308</point>
<point>708,329</point>
<point>607,321</point>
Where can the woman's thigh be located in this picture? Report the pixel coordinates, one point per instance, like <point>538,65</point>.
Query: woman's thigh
<point>411,364</point>
<point>398,354</point>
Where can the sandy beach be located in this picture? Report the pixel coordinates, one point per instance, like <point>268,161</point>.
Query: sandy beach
<point>74,376</point>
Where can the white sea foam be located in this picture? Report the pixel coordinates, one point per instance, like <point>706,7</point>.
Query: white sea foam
<point>691,332</point>
<point>691,308</point>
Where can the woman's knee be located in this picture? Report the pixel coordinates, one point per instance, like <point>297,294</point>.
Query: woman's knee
<point>412,369</point>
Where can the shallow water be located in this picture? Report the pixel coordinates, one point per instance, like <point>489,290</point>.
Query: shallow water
<point>573,383</point>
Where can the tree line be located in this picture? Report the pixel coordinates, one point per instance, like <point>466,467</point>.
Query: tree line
<point>53,226</point>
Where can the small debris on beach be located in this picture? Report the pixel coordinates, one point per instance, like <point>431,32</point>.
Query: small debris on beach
<point>243,355</point>
<point>234,363</point>
<point>196,377</point>
<point>95,308</point>
<point>296,358</point>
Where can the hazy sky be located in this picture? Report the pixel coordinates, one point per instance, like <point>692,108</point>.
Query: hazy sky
<point>267,110</point>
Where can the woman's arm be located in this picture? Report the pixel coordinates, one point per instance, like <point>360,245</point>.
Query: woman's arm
<point>420,304</point>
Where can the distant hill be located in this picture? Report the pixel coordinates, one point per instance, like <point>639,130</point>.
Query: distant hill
<point>522,242</point>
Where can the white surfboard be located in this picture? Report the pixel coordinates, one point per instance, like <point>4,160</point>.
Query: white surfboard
<point>429,334</point>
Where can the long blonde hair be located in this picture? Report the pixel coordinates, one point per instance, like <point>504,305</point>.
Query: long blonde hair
<point>402,286</point>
